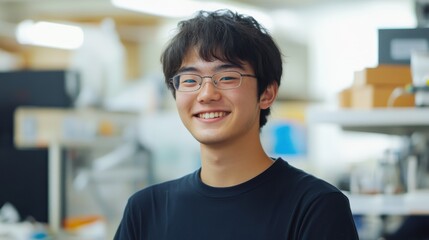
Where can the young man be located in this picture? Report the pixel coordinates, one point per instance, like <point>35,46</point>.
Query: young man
<point>224,71</point>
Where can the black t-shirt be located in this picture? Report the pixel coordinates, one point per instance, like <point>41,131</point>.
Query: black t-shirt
<point>283,202</point>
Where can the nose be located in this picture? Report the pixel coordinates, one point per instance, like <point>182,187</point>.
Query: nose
<point>208,92</point>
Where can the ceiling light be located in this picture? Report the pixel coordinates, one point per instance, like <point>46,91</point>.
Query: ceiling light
<point>49,34</point>
<point>164,8</point>
<point>187,8</point>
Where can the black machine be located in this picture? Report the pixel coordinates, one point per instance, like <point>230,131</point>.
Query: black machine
<point>24,172</point>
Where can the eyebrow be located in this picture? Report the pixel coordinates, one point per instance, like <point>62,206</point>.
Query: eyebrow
<point>216,69</point>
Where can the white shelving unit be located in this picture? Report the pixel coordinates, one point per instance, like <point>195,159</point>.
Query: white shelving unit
<point>416,203</point>
<point>39,127</point>
<point>397,121</point>
<point>393,121</point>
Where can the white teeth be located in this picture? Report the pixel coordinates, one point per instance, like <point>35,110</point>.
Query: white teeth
<point>211,115</point>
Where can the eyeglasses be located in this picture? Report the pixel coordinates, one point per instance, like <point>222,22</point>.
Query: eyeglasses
<point>221,80</point>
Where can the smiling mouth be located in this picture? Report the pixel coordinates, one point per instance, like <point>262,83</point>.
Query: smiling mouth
<point>211,115</point>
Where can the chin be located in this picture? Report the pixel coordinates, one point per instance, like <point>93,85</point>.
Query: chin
<point>208,139</point>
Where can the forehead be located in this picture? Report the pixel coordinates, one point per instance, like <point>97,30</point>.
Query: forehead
<point>193,60</point>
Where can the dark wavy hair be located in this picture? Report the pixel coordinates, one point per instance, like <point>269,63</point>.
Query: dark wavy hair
<point>229,37</point>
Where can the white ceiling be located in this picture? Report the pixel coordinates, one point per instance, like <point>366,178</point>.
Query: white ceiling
<point>14,11</point>
<point>17,10</point>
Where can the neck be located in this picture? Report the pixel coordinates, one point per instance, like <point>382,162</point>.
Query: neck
<point>233,163</point>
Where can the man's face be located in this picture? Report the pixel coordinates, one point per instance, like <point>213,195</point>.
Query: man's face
<point>215,116</point>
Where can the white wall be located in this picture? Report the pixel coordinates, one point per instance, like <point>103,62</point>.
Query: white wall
<point>344,39</point>
<point>341,38</point>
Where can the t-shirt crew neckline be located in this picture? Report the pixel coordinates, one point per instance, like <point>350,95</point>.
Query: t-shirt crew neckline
<point>224,192</point>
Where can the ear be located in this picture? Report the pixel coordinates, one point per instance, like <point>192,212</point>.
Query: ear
<point>268,96</point>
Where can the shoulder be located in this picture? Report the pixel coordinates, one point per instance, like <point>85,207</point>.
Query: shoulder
<point>303,183</point>
<point>314,199</point>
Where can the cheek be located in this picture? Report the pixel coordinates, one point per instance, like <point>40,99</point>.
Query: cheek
<point>246,97</point>
<point>183,102</point>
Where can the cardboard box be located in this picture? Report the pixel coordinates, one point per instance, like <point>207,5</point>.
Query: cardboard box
<point>345,98</point>
<point>397,75</point>
<point>371,96</point>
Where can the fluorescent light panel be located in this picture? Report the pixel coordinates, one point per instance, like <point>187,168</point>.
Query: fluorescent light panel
<point>164,8</point>
<point>48,34</point>
<point>187,8</point>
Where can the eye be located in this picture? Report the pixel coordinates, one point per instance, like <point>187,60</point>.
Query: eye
<point>188,81</point>
<point>228,78</point>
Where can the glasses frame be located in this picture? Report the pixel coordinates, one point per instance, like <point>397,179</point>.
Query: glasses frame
<point>200,83</point>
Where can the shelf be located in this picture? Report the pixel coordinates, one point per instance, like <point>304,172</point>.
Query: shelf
<point>392,121</point>
<point>396,121</point>
<point>40,127</point>
<point>402,204</point>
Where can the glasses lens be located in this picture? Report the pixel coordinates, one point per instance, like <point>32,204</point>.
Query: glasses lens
<point>192,82</point>
<point>186,82</point>
<point>227,80</point>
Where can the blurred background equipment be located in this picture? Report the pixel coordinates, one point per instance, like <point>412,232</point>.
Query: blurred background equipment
<point>24,172</point>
